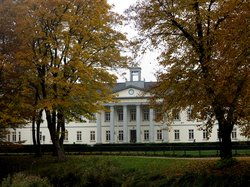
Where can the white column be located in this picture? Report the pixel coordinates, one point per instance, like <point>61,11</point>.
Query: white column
<point>99,128</point>
<point>112,125</point>
<point>138,123</point>
<point>151,125</point>
<point>125,123</point>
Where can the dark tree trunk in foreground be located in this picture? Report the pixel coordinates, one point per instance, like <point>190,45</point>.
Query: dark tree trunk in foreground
<point>36,122</point>
<point>58,149</point>
<point>225,131</point>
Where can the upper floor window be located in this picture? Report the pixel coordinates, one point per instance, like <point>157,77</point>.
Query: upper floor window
<point>93,118</point>
<point>120,114</point>
<point>176,115</point>
<point>146,114</point>
<point>132,115</point>
<point>107,116</point>
<point>189,114</point>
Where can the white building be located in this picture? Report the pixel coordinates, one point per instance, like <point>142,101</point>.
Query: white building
<point>129,120</point>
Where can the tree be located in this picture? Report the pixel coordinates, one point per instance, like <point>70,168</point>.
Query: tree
<point>14,104</point>
<point>69,46</point>
<point>205,59</point>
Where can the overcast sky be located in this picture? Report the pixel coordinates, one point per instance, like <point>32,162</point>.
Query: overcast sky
<point>148,61</point>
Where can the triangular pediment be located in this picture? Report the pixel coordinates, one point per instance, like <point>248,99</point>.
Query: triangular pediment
<point>130,92</point>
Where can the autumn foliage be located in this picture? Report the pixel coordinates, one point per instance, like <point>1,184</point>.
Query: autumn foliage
<point>66,49</point>
<point>205,56</point>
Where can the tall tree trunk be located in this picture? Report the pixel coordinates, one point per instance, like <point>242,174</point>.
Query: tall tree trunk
<point>38,147</point>
<point>36,122</point>
<point>61,127</point>
<point>225,130</point>
<point>51,120</point>
<point>34,134</point>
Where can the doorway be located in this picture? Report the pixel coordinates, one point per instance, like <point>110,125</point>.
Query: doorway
<point>132,136</point>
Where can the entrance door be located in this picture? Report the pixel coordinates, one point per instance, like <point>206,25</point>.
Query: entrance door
<point>132,136</point>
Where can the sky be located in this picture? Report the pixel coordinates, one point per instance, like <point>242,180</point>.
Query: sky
<point>148,61</point>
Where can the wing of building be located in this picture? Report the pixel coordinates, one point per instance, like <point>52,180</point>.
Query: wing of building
<point>129,120</point>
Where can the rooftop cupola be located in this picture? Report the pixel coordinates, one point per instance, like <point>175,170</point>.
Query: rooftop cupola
<point>135,74</point>
<point>135,78</point>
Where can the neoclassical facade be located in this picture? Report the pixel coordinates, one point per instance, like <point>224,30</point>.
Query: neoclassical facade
<point>128,120</point>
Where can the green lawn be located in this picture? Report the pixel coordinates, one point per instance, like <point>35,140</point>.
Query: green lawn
<point>128,171</point>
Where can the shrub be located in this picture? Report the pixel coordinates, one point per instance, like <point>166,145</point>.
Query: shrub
<point>23,180</point>
<point>225,163</point>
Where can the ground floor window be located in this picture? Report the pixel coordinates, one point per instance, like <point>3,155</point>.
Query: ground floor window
<point>120,135</point>
<point>107,136</point>
<point>19,136</point>
<point>14,136</point>
<point>79,136</point>
<point>205,134</point>
<point>191,134</point>
<point>159,134</point>
<point>234,134</point>
<point>176,134</point>
<point>92,135</point>
<point>146,135</point>
<point>66,135</point>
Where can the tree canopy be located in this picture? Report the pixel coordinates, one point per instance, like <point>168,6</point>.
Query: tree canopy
<point>205,48</point>
<point>67,49</point>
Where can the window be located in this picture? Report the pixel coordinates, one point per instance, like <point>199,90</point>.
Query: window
<point>19,136</point>
<point>120,135</point>
<point>120,114</point>
<point>40,136</point>
<point>189,114</point>
<point>218,134</point>
<point>159,134</point>
<point>234,134</point>
<point>156,114</point>
<point>66,135</point>
<point>92,118</point>
<point>176,115</point>
<point>8,137</point>
<point>107,136</point>
<point>14,136</point>
<point>146,115</point>
<point>92,135</point>
<point>132,115</point>
<point>107,116</point>
<point>205,135</point>
<point>78,136</point>
<point>176,134</point>
<point>191,134</point>
<point>146,135</point>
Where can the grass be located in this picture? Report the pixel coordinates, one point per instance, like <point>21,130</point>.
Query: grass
<point>128,171</point>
